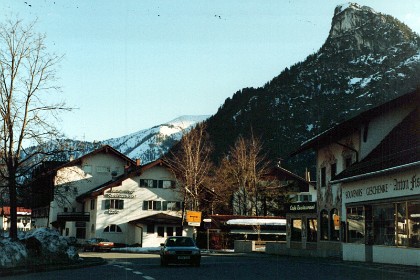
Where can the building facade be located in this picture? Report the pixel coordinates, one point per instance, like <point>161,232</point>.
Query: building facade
<point>367,188</point>
<point>105,194</point>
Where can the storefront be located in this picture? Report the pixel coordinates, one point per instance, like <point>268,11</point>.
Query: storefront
<point>382,215</point>
<point>301,225</point>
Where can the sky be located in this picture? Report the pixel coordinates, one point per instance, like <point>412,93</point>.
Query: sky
<point>130,65</point>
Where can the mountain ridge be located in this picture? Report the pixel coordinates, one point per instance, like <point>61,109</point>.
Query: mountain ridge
<point>367,59</point>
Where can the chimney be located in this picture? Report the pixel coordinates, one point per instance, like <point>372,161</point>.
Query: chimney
<point>138,162</point>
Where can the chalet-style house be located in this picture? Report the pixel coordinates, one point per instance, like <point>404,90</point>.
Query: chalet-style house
<point>23,219</point>
<point>105,194</point>
<point>368,184</point>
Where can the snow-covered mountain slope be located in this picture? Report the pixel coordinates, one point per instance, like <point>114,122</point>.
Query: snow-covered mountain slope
<point>150,144</point>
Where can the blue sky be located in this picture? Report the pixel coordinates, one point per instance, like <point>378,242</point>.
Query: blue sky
<point>133,64</point>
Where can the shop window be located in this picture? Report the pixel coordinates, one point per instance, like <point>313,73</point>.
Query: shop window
<point>414,223</point>
<point>161,231</point>
<point>178,231</point>
<point>324,224</point>
<point>384,224</point>
<point>113,228</point>
<point>169,231</point>
<point>296,230</point>
<point>356,225</point>
<point>311,227</point>
<point>335,225</point>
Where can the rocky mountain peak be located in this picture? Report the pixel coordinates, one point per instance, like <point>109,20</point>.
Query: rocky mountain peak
<point>362,28</point>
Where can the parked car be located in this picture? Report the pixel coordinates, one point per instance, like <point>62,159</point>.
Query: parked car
<point>72,241</point>
<point>98,244</point>
<point>179,249</point>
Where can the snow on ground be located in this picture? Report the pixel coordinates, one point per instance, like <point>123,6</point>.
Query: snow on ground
<point>35,246</point>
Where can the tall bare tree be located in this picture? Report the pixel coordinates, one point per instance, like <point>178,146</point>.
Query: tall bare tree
<point>28,88</point>
<point>243,170</point>
<point>190,162</point>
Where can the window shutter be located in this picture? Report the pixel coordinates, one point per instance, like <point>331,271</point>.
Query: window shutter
<point>155,183</point>
<point>107,204</point>
<point>145,205</point>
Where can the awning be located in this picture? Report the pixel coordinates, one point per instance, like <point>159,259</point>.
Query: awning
<point>159,218</point>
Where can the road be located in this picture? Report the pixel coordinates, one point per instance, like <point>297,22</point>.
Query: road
<point>127,266</point>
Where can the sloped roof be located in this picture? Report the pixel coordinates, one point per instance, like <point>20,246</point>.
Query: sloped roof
<point>20,211</point>
<point>399,148</point>
<point>118,180</point>
<point>349,126</point>
<point>283,174</point>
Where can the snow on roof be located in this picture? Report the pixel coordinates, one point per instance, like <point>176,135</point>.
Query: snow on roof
<point>255,222</point>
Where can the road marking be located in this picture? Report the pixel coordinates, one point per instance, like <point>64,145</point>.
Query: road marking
<point>137,272</point>
<point>148,278</point>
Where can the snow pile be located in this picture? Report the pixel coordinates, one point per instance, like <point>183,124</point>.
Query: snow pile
<point>255,222</point>
<point>50,244</point>
<point>12,253</point>
<point>39,246</point>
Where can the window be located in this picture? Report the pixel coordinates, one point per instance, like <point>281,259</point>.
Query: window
<point>356,224</point>
<point>304,197</point>
<point>161,231</point>
<point>178,231</point>
<point>169,231</point>
<point>114,204</point>
<point>80,230</point>
<point>92,204</point>
<point>112,228</point>
<point>365,132</point>
<point>311,227</point>
<point>146,183</point>
<point>333,169</point>
<point>296,230</point>
<point>87,169</point>
<point>323,177</point>
<point>161,205</point>
<point>324,224</point>
<point>335,225</point>
<point>348,160</point>
<point>162,184</point>
<point>150,228</point>
<point>166,184</point>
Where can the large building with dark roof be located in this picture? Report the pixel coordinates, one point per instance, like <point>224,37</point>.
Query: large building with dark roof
<point>368,184</point>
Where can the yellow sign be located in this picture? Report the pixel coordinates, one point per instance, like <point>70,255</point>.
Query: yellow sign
<point>193,217</point>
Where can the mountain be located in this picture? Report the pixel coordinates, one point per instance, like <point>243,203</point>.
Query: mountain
<point>367,59</point>
<point>150,144</point>
<point>147,144</point>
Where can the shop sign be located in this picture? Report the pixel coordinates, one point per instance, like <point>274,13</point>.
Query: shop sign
<point>394,187</point>
<point>193,218</point>
<point>119,194</point>
<point>301,207</point>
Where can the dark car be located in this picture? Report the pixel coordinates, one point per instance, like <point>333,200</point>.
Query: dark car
<point>180,250</point>
<point>98,244</point>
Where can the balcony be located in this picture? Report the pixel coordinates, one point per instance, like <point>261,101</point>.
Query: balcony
<point>73,217</point>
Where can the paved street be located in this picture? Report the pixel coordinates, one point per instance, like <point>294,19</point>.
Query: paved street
<point>224,266</point>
